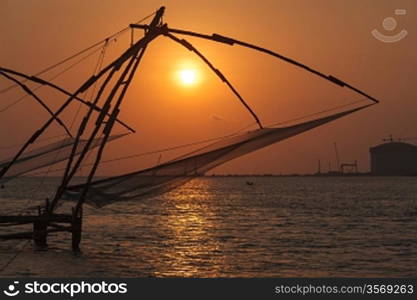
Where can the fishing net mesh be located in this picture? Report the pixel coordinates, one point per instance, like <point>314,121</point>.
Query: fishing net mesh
<point>46,156</point>
<point>164,177</point>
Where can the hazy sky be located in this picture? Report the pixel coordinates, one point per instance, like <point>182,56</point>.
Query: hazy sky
<point>332,36</point>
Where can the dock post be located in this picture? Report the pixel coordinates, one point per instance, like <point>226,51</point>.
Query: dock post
<point>76,228</point>
<point>40,232</point>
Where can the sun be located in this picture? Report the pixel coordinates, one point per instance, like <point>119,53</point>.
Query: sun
<point>188,76</point>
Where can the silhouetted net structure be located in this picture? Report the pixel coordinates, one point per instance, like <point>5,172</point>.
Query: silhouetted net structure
<point>46,156</point>
<point>176,172</point>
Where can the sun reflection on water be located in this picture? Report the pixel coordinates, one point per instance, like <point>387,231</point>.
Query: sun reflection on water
<point>222,227</point>
<point>191,225</point>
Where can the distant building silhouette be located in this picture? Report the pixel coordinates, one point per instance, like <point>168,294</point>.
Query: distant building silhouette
<point>394,158</point>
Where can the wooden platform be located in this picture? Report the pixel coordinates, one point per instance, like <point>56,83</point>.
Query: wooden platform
<point>43,224</point>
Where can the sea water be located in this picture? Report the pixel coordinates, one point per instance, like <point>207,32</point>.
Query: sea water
<point>225,227</point>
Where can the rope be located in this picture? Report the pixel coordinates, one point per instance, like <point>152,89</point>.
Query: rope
<point>47,69</point>
<point>209,140</point>
<point>46,173</point>
<point>160,150</point>
<point>318,113</point>
<point>50,79</point>
<point>97,69</point>
<point>98,65</point>
<point>40,140</point>
<point>147,153</point>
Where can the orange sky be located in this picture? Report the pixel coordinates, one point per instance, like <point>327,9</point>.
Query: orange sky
<point>332,36</point>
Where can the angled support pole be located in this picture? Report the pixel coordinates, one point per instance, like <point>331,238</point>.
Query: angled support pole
<point>114,66</point>
<point>60,89</point>
<point>36,97</point>
<point>76,229</point>
<point>124,81</point>
<point>130,55</point>
<point>190,47</point>
<point>231,41</point>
